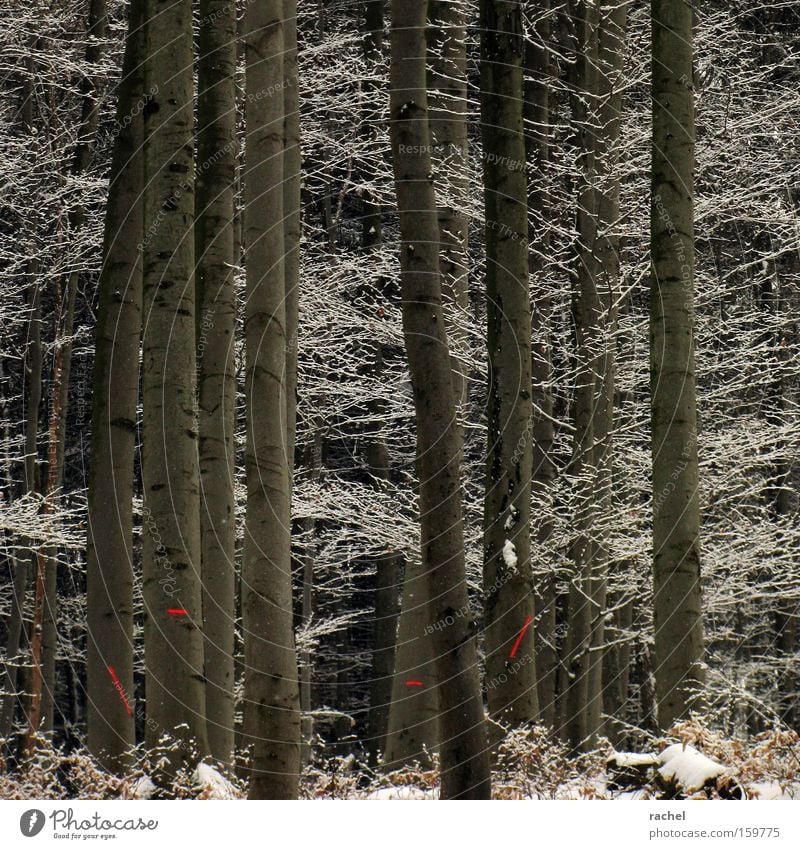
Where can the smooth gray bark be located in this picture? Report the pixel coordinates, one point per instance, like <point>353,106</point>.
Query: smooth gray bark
<point>677,597</point>
<point>508,583</point>
<point>115,393</point>
<point>272,698</point>
<point>175,681</point>
<point>216,325</point>
<point>464,756</point>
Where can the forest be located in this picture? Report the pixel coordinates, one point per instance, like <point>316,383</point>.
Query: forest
<point>399,399</point>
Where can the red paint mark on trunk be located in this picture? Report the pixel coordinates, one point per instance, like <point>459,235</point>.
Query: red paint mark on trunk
<point>413,683</point>
<point>177,611</point>
<point>121,692</point>
<point>522,633</point>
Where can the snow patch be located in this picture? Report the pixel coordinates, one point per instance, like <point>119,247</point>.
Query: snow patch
<point>143,788</point>
<point>510,554</point>
<point>772,791</point>
<point>633,759</point>
<point>632,795</point>
<point>403,792</point>
<point>582,788</point>
<point>766,791</point>
<point>687,768</point>
<point>212,785</point>
<point>511,519</point>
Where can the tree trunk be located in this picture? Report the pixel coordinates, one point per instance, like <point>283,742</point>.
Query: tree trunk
<point>389,565</point>
<point>583,605</point>
<point>292,164</point>
<point>447,88</point>
<point>508,584</point>
<point>11,662</point>
<point>175,683</point>
<point>537,142</point>
<point>617,661</point>
<point>413,728</point>
<point>44,586</point>
<point>464,757</point>
<point>32,369</point>
<point>676,510</point>
<point>272,701</point>
<point>780,305</point>
<point>611,43</point>
<point>216,325</point>
<point>46,635</point>
<point>389,572</point>
<point>109,553</point>
<point>371,224</point>
<point>309,458</point>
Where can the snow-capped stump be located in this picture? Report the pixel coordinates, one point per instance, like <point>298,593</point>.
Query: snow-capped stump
<point>630,770</point>
<point>211,784</point>
<point>684,771</point>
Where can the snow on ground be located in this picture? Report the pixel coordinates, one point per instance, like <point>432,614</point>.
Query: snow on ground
<point>772,791</point>
<point>143,788</point>
<point>632,795</point>
<point>403,792</point>
<point>581,790</point>
<point>212,785</point>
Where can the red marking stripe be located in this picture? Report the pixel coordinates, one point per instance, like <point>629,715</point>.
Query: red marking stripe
<point>413,683</point>
<point>522,633</point>
<point>177,611</point>
<point>121,692</point>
